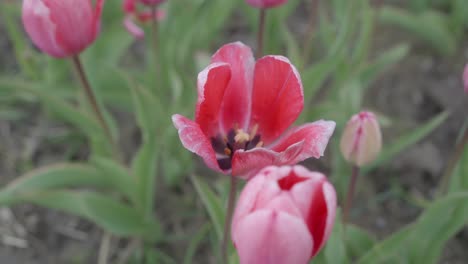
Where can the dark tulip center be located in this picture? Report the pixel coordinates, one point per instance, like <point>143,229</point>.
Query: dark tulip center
<point>236,139</point>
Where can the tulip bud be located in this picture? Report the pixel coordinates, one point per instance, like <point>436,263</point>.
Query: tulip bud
<point>465,78</point>
<point>361,140</point>
<point>284,215</point>
<point>62,28</point>
<point>265,3</point>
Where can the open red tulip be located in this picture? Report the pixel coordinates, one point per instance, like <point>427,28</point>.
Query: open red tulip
<point>243,113</point>
<point>284,215</point>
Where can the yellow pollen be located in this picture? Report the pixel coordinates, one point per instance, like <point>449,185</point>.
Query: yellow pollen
<point>259,144</point>
<point>227,151</point>
<point>241,136</point>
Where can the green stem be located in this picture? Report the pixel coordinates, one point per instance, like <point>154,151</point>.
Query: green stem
<point>310,30</point>
<point>261,30</point>
<point>91,97</point>
<point>453,163</point>
<point>155,43</point>
<point>349,196</point>
<point>228,220</point>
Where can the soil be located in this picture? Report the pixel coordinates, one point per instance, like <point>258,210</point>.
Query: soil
<point>420,87</point>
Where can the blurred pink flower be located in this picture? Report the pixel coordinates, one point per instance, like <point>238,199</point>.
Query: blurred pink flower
<point>243,111</point>
<point>265,3</point>
<point>284,215</point>
<point>134,14</point>
<point>62,28</point>
<point>361,141</point>
<point>465,78</point>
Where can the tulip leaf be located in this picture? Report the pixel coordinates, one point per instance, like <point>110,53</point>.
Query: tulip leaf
<point>430,25</point>
<point>195,242</point>
<point>422,241</point>
<point>119,176</point>
<point>459,179</point>
<point>60,176</point>
<point>385,60</point>
<point>407,140</point>
<point>335,250</point>
<point>109,214</point>
<point>358,241</point>
<point>212,203</point>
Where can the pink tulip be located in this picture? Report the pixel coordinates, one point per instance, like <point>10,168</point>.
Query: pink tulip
<point>133,15</point>
<point>465,79</point>
<point>265,3</point>
<point>284,215</point>
<point>62,28</point>
<point>361,141</point>
<point>243,111</point>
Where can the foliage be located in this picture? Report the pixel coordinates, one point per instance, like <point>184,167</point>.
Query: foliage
<point>116,189</point>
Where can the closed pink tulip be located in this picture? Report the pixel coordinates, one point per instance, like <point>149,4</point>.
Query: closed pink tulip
<point>284,215</point>
<point>361,141</point>
<point>62,28</point>
<point>265,3</point>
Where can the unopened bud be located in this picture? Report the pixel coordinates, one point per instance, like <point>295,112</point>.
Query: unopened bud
<point>361,141</point>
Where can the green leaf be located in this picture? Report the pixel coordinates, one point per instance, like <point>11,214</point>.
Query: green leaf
<point>144,166</point>
<point>119,176</point>
<point>195,243</point>
<point>385,60</point>
<point>85,122</point>
<point>407,140</point>
<point>422,241</point>
<point>431,26</point>
<point>335,250</point>
<point>54,177</point>
<point>111,215</point>
<point>212,203</point>
<point>358,241</point>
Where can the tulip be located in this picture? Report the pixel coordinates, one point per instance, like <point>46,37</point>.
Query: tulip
<point>243,111</point>
<point>361,141</point>
<point>465,79</point>
<point>284,215</point>
<point>134,15</point>
<point>62,28</point>
<point>265,3</point>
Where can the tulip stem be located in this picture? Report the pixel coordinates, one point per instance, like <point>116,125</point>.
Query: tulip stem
<point>155,41</point>
<point>261,29</point>
<point>90,96</point>
<point>452,163</point>
<point>349,196</point>
<point>314,4</point>
<point>228,220</point>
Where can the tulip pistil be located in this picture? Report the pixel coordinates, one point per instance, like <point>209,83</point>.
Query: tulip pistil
<point>235,139</point>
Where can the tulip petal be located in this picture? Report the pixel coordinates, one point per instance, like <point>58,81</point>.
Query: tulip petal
<point>79,20</point>
<point>321,215</point>
<point>97,17</point>
<point>194,140</point>
<point>212,84</point>
<point>315,137</point>
<point>259,191</point>
<point>237,99</point>
<point>246,164</point>
<point>41,29</point>
<point>278,96</point>
<point>132,28</point>
<point>270,237</point>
